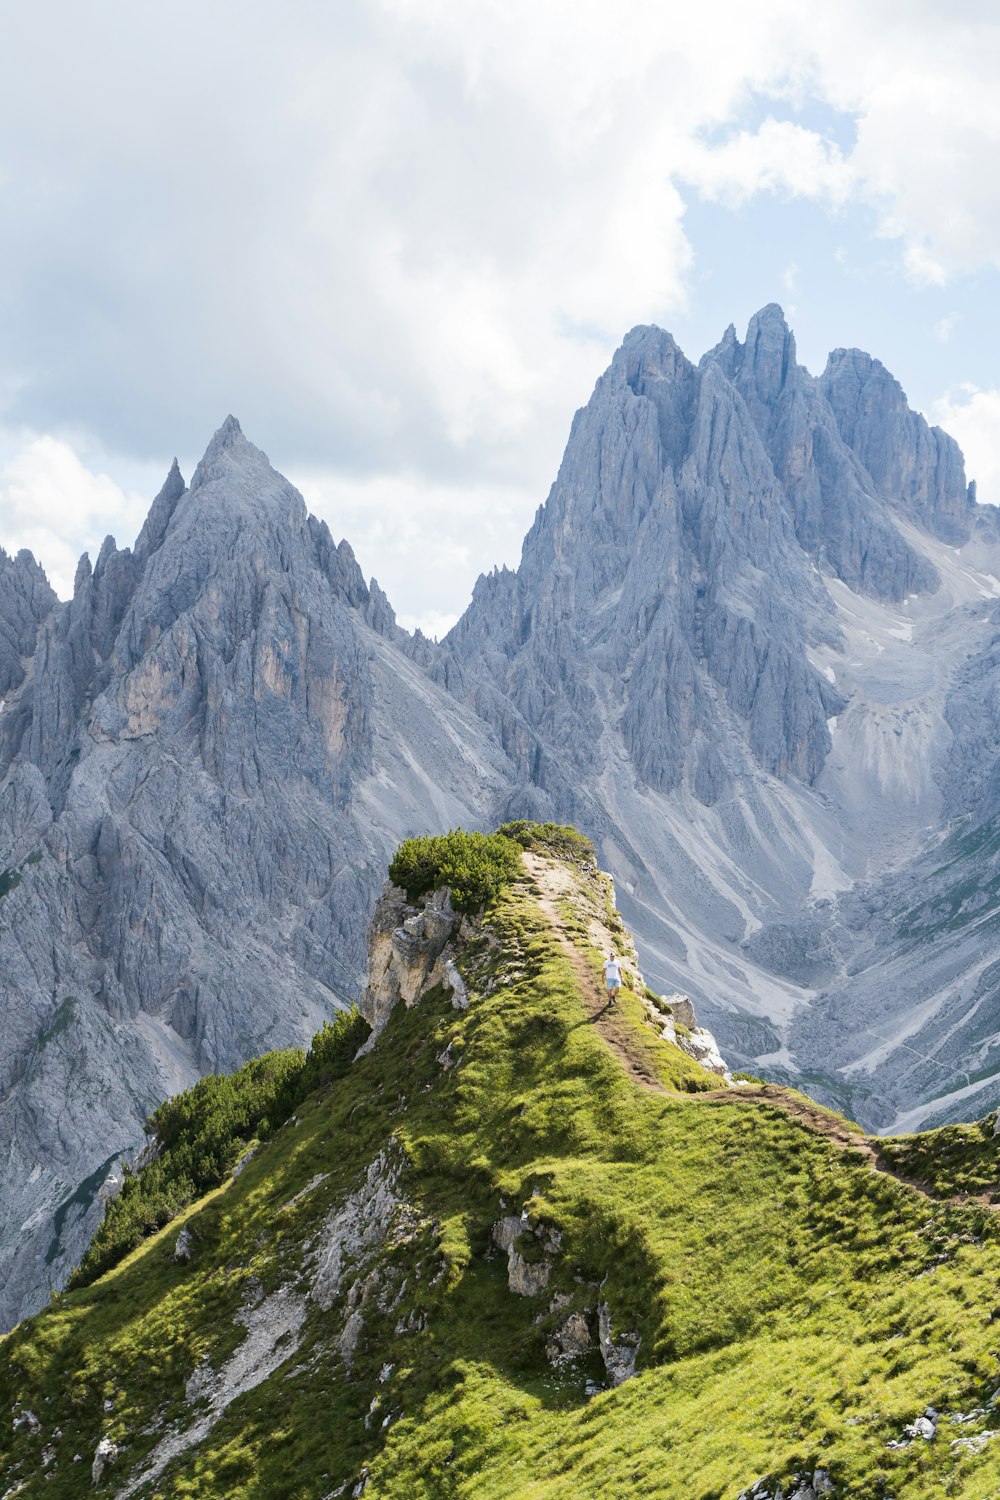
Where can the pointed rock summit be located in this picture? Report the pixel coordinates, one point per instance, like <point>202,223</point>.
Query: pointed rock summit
<point>768,358</point>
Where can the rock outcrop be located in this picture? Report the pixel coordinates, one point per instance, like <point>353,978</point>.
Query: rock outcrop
<point>411,948</point>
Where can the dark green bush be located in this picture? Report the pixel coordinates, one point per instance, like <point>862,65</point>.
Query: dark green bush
<point>202,1133</point>
<point>475,867</point>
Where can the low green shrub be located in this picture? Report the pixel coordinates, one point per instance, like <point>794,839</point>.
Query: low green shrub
<point>560,839</point>
<point>474,866</point>
<point>202,1133</point>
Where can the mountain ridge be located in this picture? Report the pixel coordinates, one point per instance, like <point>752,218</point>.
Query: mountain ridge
<point>487,1258</point>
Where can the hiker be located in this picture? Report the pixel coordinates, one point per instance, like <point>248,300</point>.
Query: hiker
<point>613,977</point>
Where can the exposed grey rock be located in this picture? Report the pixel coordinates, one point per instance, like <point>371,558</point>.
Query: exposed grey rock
<point>184,1246</point>
<point>639,597</point>
<point>570,1340</point>
<point>215,748</point>
<point>526,1278</point>
<point>508,1229</point>
<point>200,1382</point>
<point>619,1353</point>
<point>682,1010</point>
<point>104,1456</point>
<point>702,1046</point>
<point>356,1227</point>
<point>410,950</point>
<point>841,514</point>
<point>25,600</point>
<point>800,1487</point>
<point>921,1427</point>
<point>918,468</point>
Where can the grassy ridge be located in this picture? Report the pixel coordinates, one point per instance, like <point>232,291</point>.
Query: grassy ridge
<point>953,1160</point>
<point>794,1308</point>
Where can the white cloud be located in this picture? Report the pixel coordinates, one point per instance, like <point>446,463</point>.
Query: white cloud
<point>945,327</point>
<point>972,417</point>
<point>57,508</point>
<point>425,543</point>
<point>779,157</point>
<point>920,82</point>
<point>399,238</point>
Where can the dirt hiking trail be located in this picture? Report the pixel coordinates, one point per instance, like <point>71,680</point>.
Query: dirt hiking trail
<point>552,885</point>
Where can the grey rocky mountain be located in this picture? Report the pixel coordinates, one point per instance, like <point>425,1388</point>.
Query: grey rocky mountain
<point>214,749</point>
<point>751,647</point>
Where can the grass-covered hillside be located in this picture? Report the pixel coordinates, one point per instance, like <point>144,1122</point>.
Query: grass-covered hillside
<point>529,1248</point>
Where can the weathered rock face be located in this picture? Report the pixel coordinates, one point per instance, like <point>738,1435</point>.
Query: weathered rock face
<point>918,468</point>
<point>25,600</point>
<point>619,1351</point>
<point>674,1018</point>
<point>411,948</point>
<point>215,747</point>
<point>638,598</point>
<point>750,648</point>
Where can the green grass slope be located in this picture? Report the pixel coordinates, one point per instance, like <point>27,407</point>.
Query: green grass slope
<point>345,1324</point>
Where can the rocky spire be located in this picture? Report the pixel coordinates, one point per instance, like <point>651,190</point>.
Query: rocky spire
<point>26,598</point>
<point>156,523</point>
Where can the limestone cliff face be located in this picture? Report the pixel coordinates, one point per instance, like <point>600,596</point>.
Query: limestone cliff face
<point>212,751</point>
<point>639,597</point>
<point>672,581</point>
<point>25,600</point>
<point>918,468</point>
<point>411,948</point>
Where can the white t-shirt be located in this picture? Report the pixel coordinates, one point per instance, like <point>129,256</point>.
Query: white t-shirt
<point>613,971</point>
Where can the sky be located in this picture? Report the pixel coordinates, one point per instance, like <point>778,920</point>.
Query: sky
<point>401,239</point>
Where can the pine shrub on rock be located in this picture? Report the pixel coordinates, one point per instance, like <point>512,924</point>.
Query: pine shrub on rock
<point>474,866</point>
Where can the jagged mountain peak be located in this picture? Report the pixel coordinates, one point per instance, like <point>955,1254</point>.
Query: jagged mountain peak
<point>229,449</point>
<point>155,525</point>
<point>768,321</point>
<point>651,341</point>
<point>918,469</point>
<point>26,598</point>
<point>229,435</point>
<point>768,356</point>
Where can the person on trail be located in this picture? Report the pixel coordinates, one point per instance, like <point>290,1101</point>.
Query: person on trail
<point>613,977</point>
